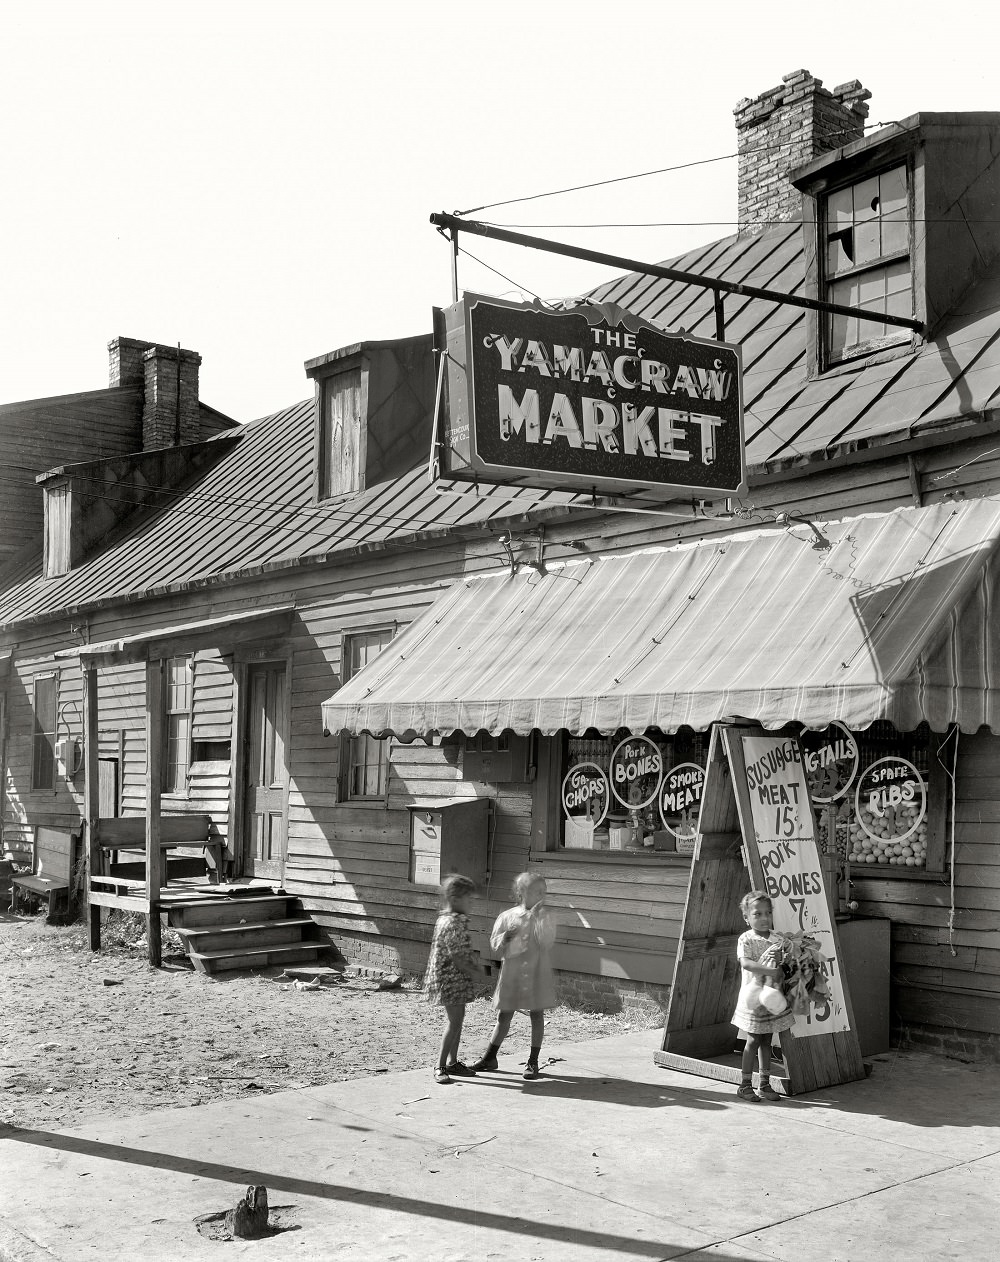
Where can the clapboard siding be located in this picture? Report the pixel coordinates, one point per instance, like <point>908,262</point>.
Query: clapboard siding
<point>615,919</point>
<point>25,807</point>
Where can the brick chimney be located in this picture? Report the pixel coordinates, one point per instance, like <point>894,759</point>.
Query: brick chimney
<point>168,379</point>
<point>783,128</point>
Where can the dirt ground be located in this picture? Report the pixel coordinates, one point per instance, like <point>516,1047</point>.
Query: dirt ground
<point>82,1033</point>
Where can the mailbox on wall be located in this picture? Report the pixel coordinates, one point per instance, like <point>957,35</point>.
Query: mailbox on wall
<point>448,835</point>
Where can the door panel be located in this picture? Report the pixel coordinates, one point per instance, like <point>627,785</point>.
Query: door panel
<point>266,774</point>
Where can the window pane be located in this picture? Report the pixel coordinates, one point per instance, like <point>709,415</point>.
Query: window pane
<point>178,690</point>
<point>367,758</point>
<point>870,292</point>
<point>895,216</point>
<point>899,289</point>
<point>892,192</point>
<point>844,332</point>
<point>43,744</point>
<point>840,231</point>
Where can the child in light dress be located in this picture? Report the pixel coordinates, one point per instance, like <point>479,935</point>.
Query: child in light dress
<point>452,975</point>
<point>756,1021</point>
<point>522,938</point>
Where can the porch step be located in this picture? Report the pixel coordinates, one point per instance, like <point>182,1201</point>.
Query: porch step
<point>240,927</point>
<point>217,910</point>
<point>256,957</point>
<point>256,933</point>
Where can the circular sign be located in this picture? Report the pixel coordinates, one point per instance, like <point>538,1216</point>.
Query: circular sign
<point>636,771</point>
<point>585,793</point>
<point>680,799</point>
<point>831,762</point>
<point>890,803</point>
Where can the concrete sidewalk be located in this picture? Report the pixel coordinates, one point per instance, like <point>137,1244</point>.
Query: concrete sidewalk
<point>607,1157</point>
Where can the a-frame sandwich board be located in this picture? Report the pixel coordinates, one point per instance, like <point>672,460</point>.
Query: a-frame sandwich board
<point>698,1035</point>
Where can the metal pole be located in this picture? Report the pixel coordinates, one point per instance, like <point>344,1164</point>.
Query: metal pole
<point>454,266</point>
<point>720,317</point>
<point>478,229</point>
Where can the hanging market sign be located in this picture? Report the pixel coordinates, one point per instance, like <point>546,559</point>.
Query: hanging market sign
<point>680,800</point>
<point>593,399</point>
<point>585,793</point>
<point>636,771</point>
<point>785,836</point>
<point>831,761</point>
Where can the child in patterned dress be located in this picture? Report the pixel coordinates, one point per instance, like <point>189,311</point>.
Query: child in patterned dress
<point>452,973</point>
<point>757,1022</point>
<point>523,938</point>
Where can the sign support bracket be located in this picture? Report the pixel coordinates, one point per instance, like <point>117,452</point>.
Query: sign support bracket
<point>720,286</point>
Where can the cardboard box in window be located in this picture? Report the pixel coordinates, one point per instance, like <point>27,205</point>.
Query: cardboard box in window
<point>579,834</point>
<point>686,845</point>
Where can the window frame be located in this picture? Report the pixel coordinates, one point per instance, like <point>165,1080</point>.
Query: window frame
<point>349,744</point>
<point>937,815</point>
<point>168,785</point>
<point>325,374</point>
<point>892,338</point>
<point>42,737</point>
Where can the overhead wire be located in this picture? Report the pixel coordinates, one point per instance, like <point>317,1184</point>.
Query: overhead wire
<point>207,507</point>
<point>641,175</point>
<point>701,223</point>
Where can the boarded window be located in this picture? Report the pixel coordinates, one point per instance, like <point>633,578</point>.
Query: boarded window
<point>340,434</point>
<point>57,521</point>
<point>867,262</point>
<point>177,720</point>
<point>365,770</point>
<point>46,693</point>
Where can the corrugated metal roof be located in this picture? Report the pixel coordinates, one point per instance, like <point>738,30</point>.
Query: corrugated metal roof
<point>889,621</point>
<point>255,509</point>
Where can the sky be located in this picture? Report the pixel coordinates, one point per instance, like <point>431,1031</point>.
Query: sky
<point>254,178</point>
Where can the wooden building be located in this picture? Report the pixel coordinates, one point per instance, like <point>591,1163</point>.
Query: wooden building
<point>270,576</point>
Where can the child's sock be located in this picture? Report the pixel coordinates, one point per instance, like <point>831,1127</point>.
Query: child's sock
<point>747,1080</point>
<point>533,1055</point>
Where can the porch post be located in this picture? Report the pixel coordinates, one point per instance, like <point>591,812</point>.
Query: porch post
<point>91,794</point>
<point>154,782</point>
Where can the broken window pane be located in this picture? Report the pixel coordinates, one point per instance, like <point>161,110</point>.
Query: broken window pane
<point>865,225</point>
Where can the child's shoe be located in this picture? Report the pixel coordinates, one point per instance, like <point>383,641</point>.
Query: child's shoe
<point>441,1075</point>
<point>766,1092</point>
<point>746,1092</point>
<point>485,1063</point>
<point>530,1071</point>
<point>458,1070</point>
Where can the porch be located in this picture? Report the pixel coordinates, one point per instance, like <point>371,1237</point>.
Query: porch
<point>175,865</point>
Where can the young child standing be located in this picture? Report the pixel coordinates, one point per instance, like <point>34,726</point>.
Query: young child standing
<point>522,937</point>
<point>757,1023</point>
<point>452,973</point>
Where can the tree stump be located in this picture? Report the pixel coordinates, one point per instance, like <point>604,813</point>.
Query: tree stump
<point>247,1220</point>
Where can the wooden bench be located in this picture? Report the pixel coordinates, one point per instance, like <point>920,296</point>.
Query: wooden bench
<point>51,867</point>
<point>126,834</point>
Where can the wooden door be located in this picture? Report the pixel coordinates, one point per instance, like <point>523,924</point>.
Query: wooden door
<point>266,775</point>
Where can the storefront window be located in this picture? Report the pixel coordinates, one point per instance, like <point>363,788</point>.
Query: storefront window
<point>891,819</point>
<point>602,822</point>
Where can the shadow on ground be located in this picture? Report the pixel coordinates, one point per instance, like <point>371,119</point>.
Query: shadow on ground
<point>390,1201</point>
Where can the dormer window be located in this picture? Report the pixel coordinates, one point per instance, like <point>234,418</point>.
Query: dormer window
<point>373,407</point>
<point>867,262</point>
<point>340,433</point>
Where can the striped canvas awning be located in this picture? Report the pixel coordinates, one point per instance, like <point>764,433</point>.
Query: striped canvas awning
<point>883,616</point>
